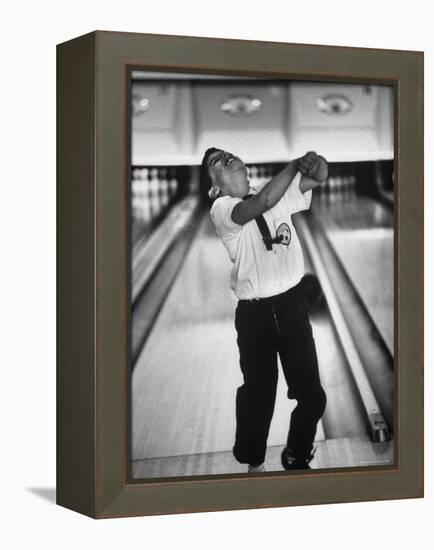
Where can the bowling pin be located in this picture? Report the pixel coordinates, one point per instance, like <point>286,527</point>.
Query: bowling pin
<point>352,186</point>
<point>164,187</point>
<point>346,188</point>
<point>173,184</point>
<point>349,187</point>
<point>337,187</point>
<point>253,177</point>
<point>332,195</point>
<point>323,191</point>
<point>260,177</point>
<point>153,191</point>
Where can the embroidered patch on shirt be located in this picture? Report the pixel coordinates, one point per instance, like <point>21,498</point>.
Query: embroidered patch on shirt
<point>284,234</point>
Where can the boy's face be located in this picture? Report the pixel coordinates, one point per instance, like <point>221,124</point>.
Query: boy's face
<point>228,173</point>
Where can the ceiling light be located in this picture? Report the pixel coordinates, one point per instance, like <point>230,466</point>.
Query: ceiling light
<point>241,105</point>
<point>334,104</point>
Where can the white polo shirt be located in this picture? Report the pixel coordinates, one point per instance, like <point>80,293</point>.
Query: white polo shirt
<point>257,272</point>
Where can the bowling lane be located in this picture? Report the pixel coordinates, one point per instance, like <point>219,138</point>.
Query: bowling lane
<point>361,232</point>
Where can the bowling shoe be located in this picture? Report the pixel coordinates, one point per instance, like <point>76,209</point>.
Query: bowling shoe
<point>291,462</point>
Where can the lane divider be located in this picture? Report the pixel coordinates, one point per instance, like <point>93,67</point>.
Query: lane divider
<point>152,252</point>
<point>376,423</point>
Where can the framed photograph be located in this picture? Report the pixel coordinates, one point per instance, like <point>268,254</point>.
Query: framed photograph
<point>240,274</point>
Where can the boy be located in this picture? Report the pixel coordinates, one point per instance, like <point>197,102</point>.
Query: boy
<point>271,316</point>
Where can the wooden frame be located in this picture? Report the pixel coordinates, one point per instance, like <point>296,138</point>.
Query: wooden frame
<point>93,266</point>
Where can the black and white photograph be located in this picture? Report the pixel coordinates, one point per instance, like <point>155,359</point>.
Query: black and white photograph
<point>262,275</point>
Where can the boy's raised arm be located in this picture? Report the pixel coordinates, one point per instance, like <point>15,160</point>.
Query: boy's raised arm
<point>273,191</point>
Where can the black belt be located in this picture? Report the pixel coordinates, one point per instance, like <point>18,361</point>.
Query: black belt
<point>270,299</point>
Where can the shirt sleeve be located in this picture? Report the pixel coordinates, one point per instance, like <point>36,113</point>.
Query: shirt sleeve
<point>295,199</point>
<point>221,214</point>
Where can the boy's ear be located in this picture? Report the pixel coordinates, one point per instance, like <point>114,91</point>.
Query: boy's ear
<point>213,193</point>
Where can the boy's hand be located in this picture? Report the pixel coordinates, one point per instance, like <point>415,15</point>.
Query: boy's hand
<point>306,164</point>
<point>313,166</point>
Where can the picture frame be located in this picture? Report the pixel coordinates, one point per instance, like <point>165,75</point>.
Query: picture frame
<point>93,363</point>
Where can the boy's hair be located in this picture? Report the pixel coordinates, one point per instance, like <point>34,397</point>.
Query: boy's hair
<point>205,180</point>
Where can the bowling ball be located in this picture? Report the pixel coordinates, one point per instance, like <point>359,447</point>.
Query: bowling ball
<point>313,292</point>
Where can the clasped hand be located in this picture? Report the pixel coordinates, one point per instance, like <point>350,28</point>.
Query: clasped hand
<point>313,166</point>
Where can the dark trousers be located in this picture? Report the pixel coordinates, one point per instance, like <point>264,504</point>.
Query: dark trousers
<point>267,327</point>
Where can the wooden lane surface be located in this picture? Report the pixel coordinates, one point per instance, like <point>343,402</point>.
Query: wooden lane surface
<point>332,453</point>
<point>361,233</point>
<point>343,416</point>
